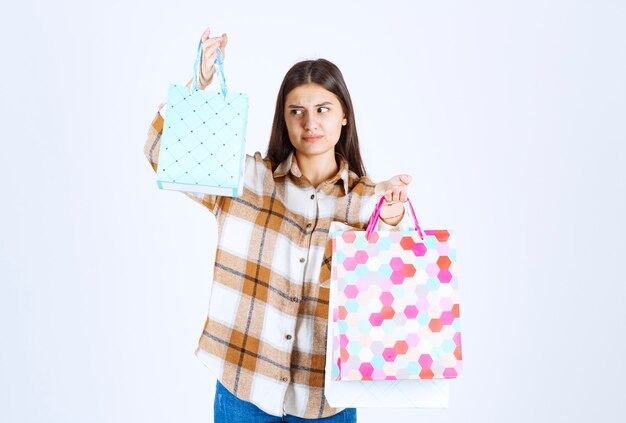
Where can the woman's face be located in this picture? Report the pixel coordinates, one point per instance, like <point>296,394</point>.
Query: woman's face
<point>314,119</point>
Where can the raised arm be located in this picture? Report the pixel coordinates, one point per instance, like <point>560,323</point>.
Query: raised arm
<point>153,143</point>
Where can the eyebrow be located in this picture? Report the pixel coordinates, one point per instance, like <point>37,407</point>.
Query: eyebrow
<point>291,106</point>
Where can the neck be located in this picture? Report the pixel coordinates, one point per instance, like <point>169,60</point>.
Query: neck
<point>318,169</point>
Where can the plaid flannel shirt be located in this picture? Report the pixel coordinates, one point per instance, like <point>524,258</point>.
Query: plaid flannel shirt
<point>265,333</point>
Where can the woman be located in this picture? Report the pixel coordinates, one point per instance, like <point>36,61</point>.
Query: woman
<point>264,337</point>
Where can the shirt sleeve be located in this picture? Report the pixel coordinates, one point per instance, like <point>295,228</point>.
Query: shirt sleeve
<point>151,151</point>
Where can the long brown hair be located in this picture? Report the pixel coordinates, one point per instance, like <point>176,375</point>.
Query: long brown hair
<point>326,74</point>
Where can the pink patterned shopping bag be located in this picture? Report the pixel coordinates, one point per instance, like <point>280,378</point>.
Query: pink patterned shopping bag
<point>397,315</point>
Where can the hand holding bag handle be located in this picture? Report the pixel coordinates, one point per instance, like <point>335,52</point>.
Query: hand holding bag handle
<point>220,116</point>
<point>219,70</point>
<point>376,215</point>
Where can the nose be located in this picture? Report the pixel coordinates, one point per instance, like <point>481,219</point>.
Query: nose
<point>310,122</point>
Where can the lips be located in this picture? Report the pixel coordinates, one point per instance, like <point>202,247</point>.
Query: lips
<point>312,137</point>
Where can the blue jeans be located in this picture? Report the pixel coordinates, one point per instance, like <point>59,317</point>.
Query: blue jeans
<point>227,408</point>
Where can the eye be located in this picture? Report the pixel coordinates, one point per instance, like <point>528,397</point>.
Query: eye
<point>323,109</point>
<point>296,112</point>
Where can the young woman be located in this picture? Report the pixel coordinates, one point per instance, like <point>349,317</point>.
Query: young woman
<point>265,334</point>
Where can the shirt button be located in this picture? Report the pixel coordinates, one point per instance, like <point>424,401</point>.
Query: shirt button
<point>285,378</point>
<point>294,299</point>
<point>312,196</point>
<point>301,259</point>
<point>288,337</point>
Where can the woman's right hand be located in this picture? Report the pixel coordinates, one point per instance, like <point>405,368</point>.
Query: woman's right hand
<point>209,55</point>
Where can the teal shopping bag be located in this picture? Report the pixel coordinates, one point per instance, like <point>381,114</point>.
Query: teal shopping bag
<point>203,140</point>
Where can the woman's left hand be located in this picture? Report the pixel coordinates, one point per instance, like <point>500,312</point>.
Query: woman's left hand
<point>395,189</point>
<point>395,192</point>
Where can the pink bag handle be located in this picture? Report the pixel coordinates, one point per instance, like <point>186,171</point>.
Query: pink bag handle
<point>376,215</point>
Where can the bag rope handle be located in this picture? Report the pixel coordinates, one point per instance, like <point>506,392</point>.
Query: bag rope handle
<point>219,70</point>
<point>376,215</point>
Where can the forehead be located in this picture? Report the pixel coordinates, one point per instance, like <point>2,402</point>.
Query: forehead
<point>309,94</point>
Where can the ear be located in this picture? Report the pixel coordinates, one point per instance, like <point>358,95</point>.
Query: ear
<point>345,121</point>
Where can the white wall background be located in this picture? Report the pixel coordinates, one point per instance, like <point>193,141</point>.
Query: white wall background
<point>509,115</point>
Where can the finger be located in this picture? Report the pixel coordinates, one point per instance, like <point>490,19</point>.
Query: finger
<point>210,60</point>
<point>392,197</point>
<point>207,65</point>
<point>223,44</point>
<point>206,34</point>
<point>207,73</point>
<point>388,195</point>
<point>209,57</point>
<point>209,51</point>
<point>210,43</point>
<point>396,193</point>
<point>406,179</point>
<point>403,195</point>
<point>208,68</point>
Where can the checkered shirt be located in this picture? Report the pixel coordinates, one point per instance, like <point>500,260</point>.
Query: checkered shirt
<point>265,333</point>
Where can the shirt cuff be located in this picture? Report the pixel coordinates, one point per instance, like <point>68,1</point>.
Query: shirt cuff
<point>162,108</point>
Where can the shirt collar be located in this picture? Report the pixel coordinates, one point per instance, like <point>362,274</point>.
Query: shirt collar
<point>290,165</point>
